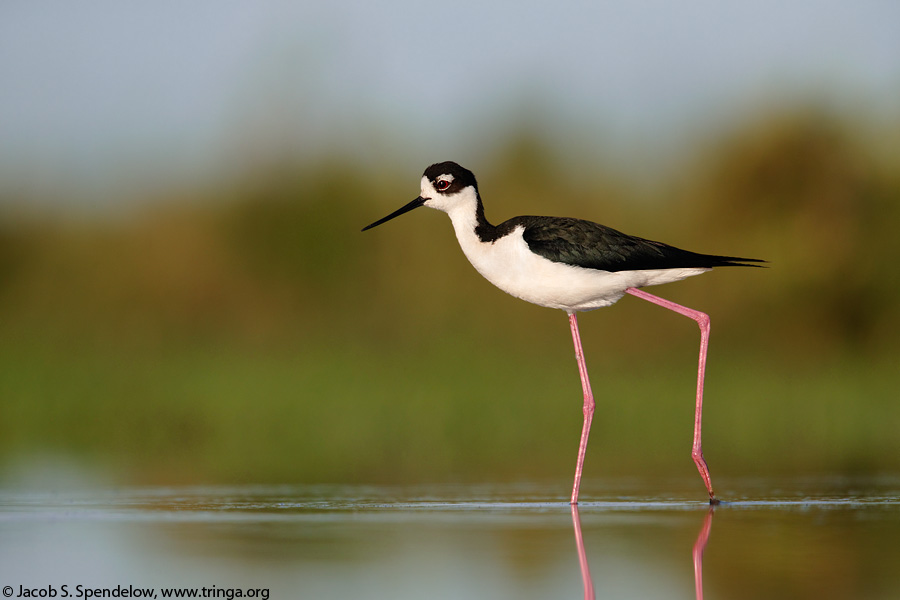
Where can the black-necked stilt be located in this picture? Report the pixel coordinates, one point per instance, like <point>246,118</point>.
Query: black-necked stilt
<point>569,264</point>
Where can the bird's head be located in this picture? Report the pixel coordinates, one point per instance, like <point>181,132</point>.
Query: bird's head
<point>445,186</point>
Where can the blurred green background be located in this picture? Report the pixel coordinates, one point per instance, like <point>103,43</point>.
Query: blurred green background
<point>185,295</point>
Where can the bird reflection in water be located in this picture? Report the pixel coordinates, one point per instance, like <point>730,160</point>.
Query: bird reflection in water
<point>697,554</point>
<point>699,547</point>
<point>582,556</point>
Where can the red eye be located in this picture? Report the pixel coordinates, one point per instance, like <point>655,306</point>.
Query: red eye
<point>441,185</point>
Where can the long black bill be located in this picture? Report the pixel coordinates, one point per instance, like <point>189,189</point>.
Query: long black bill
<point>414,204</point>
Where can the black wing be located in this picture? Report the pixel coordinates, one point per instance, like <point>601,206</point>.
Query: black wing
<point>594,246</point>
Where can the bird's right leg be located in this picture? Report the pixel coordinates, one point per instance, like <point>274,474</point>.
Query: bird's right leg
<point>702,320</point>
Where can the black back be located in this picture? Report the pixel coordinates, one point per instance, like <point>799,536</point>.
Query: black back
<point>594,246</point>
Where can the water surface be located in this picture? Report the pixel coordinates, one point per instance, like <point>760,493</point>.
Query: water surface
<point>812,538</point>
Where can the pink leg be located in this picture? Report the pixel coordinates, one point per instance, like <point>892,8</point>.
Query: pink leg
<point>588,404</point>
<point>703,321</point>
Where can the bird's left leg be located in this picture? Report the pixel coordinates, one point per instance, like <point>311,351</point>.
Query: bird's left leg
<point>588,404</point>
<point>702,320</point>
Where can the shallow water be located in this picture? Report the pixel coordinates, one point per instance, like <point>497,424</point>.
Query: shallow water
<point>812,538</point>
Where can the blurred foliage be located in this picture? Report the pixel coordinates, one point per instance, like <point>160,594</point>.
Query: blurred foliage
<point>804,186</point>
<point>249,331</point>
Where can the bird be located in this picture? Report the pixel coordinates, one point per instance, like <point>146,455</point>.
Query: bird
<point>569,264</point>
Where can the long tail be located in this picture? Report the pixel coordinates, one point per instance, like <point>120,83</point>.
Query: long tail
<point>733,261</point>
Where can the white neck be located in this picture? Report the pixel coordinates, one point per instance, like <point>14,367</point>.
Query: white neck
<point>462,209</point>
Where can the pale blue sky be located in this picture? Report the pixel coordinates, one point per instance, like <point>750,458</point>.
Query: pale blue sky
<point>165,90</point>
